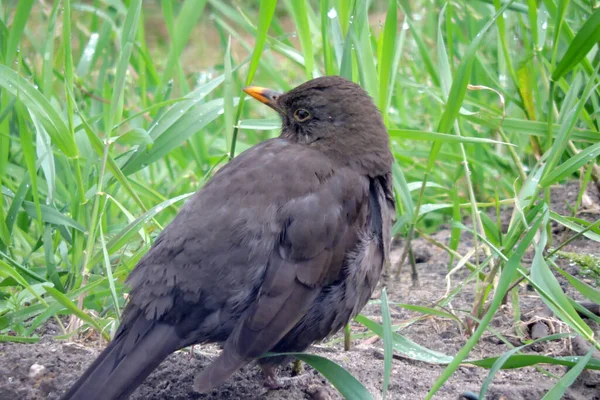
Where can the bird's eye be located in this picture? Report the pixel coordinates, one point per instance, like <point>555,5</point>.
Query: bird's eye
<point>301,115</point>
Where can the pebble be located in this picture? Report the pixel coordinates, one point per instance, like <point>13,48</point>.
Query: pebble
<point>36,370</point>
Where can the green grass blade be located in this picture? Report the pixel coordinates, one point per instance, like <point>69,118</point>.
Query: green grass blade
<point>127,40</point>
<point>18,339</point>
<point>567,168</point>
<point>65,301</point>
<point>342,380</point>
<point>386,61</point>
<point>265,15</point>
<point>586,290</point>
<point>388,347</point>
<point>122,237</point>
<point>526,360</point>
<point>189,13</point>
<point>501,361</point>
<point>228,102</point>
<point>364,52</point>
<point>7,270</point>
<point>412,134</point>
<point>405,346</point>
<point>442,55</point>
<point>423,48</point>
<point>505,280</point>
<point>327,47</point>
<point>299,13</point>
<point>29,155</point>
<point>16,30</point>
<point>45,157</point>
<point>38,104</point>
<point>568,379</point>
<point>463,75</point>
<point>52,216</point>
<point>564,133</point>
<point>109,274</point>
<point>556,300</point>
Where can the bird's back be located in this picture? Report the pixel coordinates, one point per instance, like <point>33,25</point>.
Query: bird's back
<point>207,266</point>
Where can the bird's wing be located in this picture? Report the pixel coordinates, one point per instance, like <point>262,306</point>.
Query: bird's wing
<point>314,232</point>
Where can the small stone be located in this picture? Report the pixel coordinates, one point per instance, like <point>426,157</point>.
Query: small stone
<point>539,330</point>
<point>36,370</point>
<point>320,393</point>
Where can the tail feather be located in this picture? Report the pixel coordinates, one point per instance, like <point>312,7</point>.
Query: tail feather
<point>221,369</point>
<point>134,353</point>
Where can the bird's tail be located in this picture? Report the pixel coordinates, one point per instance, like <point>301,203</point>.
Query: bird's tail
<point>132,355</point>
<point>221,369</point>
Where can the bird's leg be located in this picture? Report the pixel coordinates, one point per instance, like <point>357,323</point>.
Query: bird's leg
<point>274,383</point>
<point>271,380</point>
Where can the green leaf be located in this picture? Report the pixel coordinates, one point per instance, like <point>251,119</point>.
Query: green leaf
<point>582,287</point>
<point>427,311</point>
<point>412,134</point>
<point>189,14</point>
<point>136,136</point>
<point>127,41</point>
<point>463,75</point>
<point>501,361</point>
<point>505,280</point>
<point>526,360</point>
<point>553,296</point>
<point>265,15</point>
<point>121,238</point>
<point>65,301</point>
<point>388,347</point>
<point>300,15</point>
<point>569,223</point>
<point>387,57</point>
<point>260,124</point>
<point>582,43</point>
<point>587,155</point>
<point>361,34</point>
<point>176,125</point>
<point>19,21</point>
<point>18,339</point>
<point>348,386</point>
<point>568,379</point>
<point>29,155</point>
<point>228,102</point>
<point>52,216</point>
<point>7,270</point>
<point>41,107</point>
<point>405,346</point>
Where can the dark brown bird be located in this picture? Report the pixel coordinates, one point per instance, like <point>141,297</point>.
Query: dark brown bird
<point>281,248</point>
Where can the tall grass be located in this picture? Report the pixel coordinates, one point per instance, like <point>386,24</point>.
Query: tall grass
<point>112,113</point>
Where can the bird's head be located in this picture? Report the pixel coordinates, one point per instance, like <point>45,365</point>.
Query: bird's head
<point>333,115</point>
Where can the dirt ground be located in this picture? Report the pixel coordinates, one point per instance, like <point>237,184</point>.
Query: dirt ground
<point>46,369</point>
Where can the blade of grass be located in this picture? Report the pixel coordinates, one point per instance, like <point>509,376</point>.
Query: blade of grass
<point>265,15</point>
<point>568,379</point>
<point>299,13</point>
<point>342,380</point>
<point>16,30</point>
<point>388,346</point>
<point>505,279</point>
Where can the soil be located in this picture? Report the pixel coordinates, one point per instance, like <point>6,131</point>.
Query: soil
<point>45,369</point>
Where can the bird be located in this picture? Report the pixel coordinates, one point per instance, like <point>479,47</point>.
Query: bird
<point>278,250</point>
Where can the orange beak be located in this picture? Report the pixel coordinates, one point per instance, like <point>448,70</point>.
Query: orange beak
<point>266,96</point>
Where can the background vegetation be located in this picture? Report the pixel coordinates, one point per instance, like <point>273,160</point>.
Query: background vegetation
<point>113,112</point>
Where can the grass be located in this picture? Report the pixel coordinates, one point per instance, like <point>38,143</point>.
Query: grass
<point>112,113</point>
